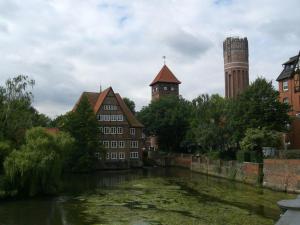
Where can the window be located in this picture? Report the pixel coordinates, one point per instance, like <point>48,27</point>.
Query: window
<point>120,117</point>
<point>172,89</point>
<point>132,131</point>
<point>114,144</point>
<point>134,144</point>
<point>134,155</point>
<point>114,155</point>
<point>121,144</point>
<point>106,130</point>
<point>98,155</point>
<point>113,118</point>
<point>106,144</point>
<point>286,100</point>
<point>120,130</point>
<point>297,82</point>
<point>285,85</point>
<point>101,129</point>
<point>107,155</point>
<point>121,155</point>
<point>113,130</point>
<point>110,107</point>
<point>165,88</point>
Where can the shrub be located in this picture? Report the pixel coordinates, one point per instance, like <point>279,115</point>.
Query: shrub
<point>243,156</point>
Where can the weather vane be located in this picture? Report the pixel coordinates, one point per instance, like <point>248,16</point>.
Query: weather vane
<point>164,57</point>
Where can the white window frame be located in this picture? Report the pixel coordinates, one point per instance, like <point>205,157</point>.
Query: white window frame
<point>120,117</point>
<point>106,144</point>
<point>286,101</point>
<point>101,129</point>
<point>172,89</point>
<point>285,85</point>
<point>165,88</point>
<point>132,131</point>
<point>134,144</point>
<point>107,130</point>
<point>134,155</point>
<point>113,130</point>
<point>114,144</point>
<point>108,155</point>
<point>114,155</point>
<point>121,144</point>
<point>121,155</point>
<point>119,130</point>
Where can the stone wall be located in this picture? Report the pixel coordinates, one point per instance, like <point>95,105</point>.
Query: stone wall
<point>245,172</point>
<point>282,174</point>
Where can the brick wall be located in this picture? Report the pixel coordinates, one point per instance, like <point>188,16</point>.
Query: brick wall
<point>245,172</point>
<point>282,174</point>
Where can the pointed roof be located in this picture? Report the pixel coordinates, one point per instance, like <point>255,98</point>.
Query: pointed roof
<point>97,99</point>
<point>165,75</point>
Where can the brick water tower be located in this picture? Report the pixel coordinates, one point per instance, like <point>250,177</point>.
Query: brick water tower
<point>236,65</point>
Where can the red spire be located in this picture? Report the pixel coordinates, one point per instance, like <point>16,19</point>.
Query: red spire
<point>165,75</point>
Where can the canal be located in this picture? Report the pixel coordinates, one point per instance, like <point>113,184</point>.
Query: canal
<point>147,196</point>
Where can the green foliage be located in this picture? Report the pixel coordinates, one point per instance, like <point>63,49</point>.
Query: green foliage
<point>37,166</point>
<point>5,150</point>
<point>83,126</point>
<point>258,107</point>
<point>168,118</point>
<point>130,104</point>
<point>255,139</point>
<point>243,156</point>
<point>15,110</point>
<point>209,128</point>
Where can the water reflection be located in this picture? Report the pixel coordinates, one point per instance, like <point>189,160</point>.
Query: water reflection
<point>66,209</point>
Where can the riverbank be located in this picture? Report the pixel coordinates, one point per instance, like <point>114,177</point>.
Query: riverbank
<point>276,174</point>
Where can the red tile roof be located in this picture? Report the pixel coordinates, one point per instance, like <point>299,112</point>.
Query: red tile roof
<point>165,75</point>
<point>97,99</point>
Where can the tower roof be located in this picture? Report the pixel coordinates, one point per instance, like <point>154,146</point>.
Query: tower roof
<point>165,75</point>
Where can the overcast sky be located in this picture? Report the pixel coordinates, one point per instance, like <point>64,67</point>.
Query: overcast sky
<point>71,46</point>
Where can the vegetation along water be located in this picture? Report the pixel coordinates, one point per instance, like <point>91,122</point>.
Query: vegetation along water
<point>147,196</point>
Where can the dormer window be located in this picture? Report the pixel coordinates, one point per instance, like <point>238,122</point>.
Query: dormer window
<point>285,85</point>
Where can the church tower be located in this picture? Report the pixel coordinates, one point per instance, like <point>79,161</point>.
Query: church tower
<point>236,65</point>
<point>164,84</point>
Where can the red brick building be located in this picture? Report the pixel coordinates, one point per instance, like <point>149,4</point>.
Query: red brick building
<point>289,89</point>
<point>165,83</point>
<point>236,65</point>
<point>122,135</point>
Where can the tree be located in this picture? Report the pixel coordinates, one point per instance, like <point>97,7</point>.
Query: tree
<point>257,138</point>
<point>40,119</point>
<point>36,167</point>
<point>130,104</point>
<point>209,128</point>
<point>257,107</point>
<point>15,110</point>
<point>167,118</point>
<point>83,126</point>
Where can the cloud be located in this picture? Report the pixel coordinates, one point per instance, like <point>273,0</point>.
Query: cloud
<point>70,46</point>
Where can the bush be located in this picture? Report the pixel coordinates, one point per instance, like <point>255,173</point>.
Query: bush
<point>248,156</point>
<point>243,156</point>
<point>213,155</point>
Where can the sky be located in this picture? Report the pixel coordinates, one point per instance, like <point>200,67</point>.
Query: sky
<point>71,46</point>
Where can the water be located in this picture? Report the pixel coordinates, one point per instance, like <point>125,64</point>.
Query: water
<point>147,197</point>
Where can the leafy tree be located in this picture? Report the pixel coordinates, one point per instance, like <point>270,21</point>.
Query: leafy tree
<point>5,150</point>
<point>83,126</point>
<point>130,104</point>
<point>209,127</point>
<point>257,138</point>
<point>15,110</point>
<point>40,119</point>
<point>37,166</point>
<point>167,118</point>
<point>258,107</point>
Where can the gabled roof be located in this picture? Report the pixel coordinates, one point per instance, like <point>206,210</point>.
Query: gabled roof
<point>288,71</point>
<point>165,75</point>
<point>96,100</point>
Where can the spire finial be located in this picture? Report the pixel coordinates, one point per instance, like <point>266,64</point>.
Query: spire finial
<point>164,57</point>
